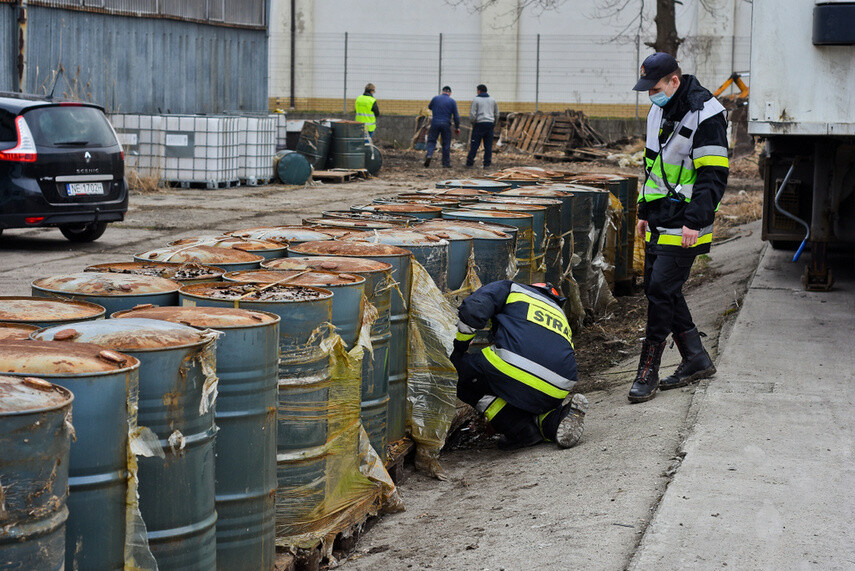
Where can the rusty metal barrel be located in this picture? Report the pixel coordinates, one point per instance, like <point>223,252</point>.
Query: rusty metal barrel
<point>102,382</point>
<point>16,331</point>
<point>245,448</point>
<point>486,185</point>
<point>459,252</point>
<point>268,249</point>
<point>114,292</point>
<point>34,439</point>
<point>229,259</point>
<point>45,312</point>
<point>289,235</point>
<point>524,240</point>
<point>399,220</point>
<point>553,224</point>
<point>347,293</point>
<point>176,487</point>
<point>415,198</point>
<point>402,279</point>
<point>304,383</point>
<point>493,249</point>
<point>375,366</point>
<point>462,195</point>
<point>430,251</point>
<point>324,224</point>
<point>186,273</point>
<point>420,211</point>
<point>337,232</point>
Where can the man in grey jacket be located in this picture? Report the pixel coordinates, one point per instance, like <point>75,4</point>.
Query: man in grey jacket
<point>483,114</point>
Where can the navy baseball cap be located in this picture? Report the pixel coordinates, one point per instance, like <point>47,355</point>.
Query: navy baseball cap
<point>655,67</point>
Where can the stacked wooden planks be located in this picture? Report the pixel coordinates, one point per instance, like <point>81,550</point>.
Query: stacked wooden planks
<point>551,135</point>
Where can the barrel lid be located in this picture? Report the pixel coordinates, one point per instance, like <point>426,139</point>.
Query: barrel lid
<point>30,394</point>
<point>596,177</point>
<point>398,219</point>
<point>444,233</point>
<point>61,358</point>
<point>349,248</point>
<point>575,187</point>
<point>234,242</point>
<point>536,191</point>
<point>336,233</point>
<point>256,292</point>
<point>16,331</point>
<point>317,278</point>
<point>202,317</point>
<point>474,229</point>
<point>135,334</point>
<point>523,200</point>
<point>200,254</point>
<point>329,264</point>
<point>404,207</point>
<point>106,284</point>
<point>350,223</point>
<point>488,213</point>
<point>402,238</point>
<point>454,191</point>
<point>24,309</point>
<point>281,234</point>
<point>507,206</point>
<point>414,198</point>
<point>170,270</point>
<point>478,183</point>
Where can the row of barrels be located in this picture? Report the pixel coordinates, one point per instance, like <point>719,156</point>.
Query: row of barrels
<point>219,478</point>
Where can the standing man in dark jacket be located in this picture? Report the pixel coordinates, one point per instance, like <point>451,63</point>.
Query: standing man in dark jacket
<point>484,114</point>
<point>686,168</point>
<point>521,381</point>
<point>444,110</point>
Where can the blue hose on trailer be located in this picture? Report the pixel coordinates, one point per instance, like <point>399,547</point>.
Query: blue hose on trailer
<point>792,216</point>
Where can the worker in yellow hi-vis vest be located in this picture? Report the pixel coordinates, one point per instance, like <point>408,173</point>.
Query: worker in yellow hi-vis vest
<point>367,110</point>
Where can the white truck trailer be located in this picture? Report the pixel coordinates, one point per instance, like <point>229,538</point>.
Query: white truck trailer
<point>803,104</point>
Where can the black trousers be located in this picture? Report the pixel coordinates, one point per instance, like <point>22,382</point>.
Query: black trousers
<point>481,132</point>
<point>479,383</point>
<point>667,311</point>
<point>434,133</point>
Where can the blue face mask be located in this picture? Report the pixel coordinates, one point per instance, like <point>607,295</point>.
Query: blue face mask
<point>660,99</point>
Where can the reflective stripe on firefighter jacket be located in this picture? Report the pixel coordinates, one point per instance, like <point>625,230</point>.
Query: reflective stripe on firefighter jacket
<point>364,107</point>
<point>671,169</point>
<point>532,341</point>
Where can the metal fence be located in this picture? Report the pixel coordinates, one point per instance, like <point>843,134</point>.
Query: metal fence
<point>545,70</point>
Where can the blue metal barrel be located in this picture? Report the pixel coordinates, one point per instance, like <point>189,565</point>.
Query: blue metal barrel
<point>493,248</point>
<point>486,185</point>
<point>420,211</point>
<point>226,258</point>
<point>114,292</point>
<point>101,381</point>
<point>304,381</point>
<point>459,251</point>
<point>176,493</point>
<point>399,259</point>
<point>46,312</point>
<point>552,240</point>
<point>267,249</point>
<point>289,235</point>
<point>34,439</point>
<point>188,273</point>
<point>462,195</point>
<point>525,237</point>
<point>430,251</point>
<point>245,448</point>
<point>375,367</point>
<point>347,293</point>
<point>325,224</point>
<point>399,220</point>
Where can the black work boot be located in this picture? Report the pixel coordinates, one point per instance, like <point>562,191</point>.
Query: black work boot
<point>647,378</point>
<point>696,363</point>
<point>528,435</point>
<point>427,162</point>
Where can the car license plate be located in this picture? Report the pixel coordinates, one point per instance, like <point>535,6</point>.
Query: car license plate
<point>84,188</point>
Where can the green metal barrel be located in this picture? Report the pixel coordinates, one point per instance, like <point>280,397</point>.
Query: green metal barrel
<point>112,291</point>
<point>229,259</point>
<point>402,281</point>
<point>188,273</point>
<point>245,448</point>
<point>314,143</point>
<point>348,145</point>
<point>430,251</point>
<point>373,159</point>
<point>45,311</point>
<point>177,490</point>
<point>291,167</point>
<point>35,431</point>
<point>102,383</point>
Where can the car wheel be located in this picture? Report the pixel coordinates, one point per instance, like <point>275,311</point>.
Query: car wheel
<point>83,232</point>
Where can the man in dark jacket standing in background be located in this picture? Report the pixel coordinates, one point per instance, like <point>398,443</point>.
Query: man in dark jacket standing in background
<point>444,110</point>
<point>484,114</point>
<point>686,168</point>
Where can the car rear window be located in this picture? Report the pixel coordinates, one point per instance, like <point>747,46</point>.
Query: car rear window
<point>70,126</point>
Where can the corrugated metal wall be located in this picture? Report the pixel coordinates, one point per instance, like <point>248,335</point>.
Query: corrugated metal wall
<point>140,65</point>
<point>8,49</point>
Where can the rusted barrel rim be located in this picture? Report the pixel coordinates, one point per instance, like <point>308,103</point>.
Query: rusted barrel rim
<point>275,318</point>
<point>69,398</point>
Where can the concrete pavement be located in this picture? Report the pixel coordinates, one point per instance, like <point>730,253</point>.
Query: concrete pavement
<point>768,474</point>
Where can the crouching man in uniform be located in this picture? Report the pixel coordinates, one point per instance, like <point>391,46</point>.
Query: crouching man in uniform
<point>521,381</point>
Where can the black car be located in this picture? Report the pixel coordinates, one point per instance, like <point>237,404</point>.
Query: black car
<point>61,165</point>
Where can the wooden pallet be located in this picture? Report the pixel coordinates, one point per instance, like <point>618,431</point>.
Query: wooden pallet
<point>396,454</point>
<point>340,175</point>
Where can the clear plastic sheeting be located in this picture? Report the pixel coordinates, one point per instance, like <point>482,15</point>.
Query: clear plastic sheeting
<point>346,471</point>
<point>470,283</point>
<point>432,382</point>
<point>604,262</point>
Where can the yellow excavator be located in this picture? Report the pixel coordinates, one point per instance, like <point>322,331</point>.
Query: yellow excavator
<point>737,112</point>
